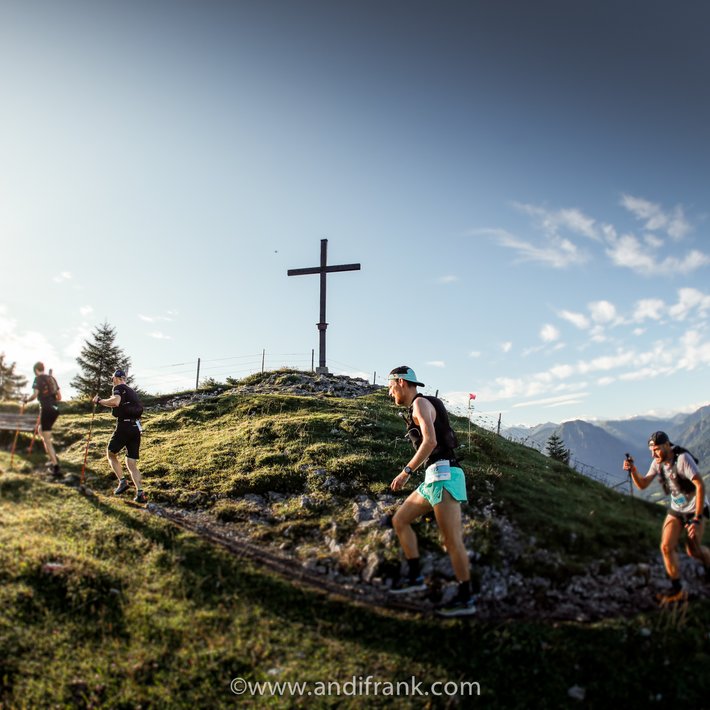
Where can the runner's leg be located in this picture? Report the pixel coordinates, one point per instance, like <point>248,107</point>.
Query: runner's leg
<point>448,518</point>
<point>408,512</point>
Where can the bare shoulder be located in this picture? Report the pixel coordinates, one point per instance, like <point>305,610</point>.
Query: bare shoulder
<point>423,408</point>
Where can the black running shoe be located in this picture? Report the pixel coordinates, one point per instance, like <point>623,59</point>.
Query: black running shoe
<point>122,486</point>
<point>408,586</point>
<point>140,497</point>
<point>457,607</point>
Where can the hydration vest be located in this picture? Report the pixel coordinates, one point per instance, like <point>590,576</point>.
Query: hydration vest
<point>131,407</point>
<point>446,441</point>
<point>686,486</point>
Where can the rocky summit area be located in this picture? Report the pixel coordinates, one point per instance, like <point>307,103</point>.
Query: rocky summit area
<point>281,382</point>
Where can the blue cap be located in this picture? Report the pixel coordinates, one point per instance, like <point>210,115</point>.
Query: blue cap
<point>119,373</point>
<point>406,374</point>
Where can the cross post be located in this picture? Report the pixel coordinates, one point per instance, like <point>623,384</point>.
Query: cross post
<point>323,270</point>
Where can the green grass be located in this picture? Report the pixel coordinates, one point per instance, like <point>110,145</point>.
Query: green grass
<point>132,611</point>
<point>140,613</point>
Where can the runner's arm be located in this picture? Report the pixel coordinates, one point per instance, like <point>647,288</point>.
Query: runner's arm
<point>424,414</point>
<point>641,482</point>
<point>112,401</point>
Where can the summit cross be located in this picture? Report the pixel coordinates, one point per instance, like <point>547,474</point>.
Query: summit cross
<point>323,270</point>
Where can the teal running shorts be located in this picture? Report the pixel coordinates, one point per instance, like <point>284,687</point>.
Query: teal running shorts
<point>456,486</point>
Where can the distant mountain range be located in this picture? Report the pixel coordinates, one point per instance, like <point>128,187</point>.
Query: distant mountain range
<point>603,445</point>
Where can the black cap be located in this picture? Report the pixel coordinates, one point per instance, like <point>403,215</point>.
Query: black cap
<point>658,438</point>
<point>119,373</point>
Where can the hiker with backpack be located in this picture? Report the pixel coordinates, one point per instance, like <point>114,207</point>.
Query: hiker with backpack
<point>46,390</point>
<point>677,470</point>
<point>126,407</point>
<point>443,489</point>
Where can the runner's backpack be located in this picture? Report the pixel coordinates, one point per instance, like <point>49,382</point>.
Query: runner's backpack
<point>54,385</point>
<point>134,407</point>
<point>685,485</point>
<point>48,388</point>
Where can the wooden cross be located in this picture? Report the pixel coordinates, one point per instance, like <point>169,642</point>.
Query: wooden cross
<point>323,269</point>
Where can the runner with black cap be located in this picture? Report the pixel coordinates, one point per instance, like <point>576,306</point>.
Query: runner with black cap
<point>443,490</point>
<point>677,470</point>
<point>127,409</point>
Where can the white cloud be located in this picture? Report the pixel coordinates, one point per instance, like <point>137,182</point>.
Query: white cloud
<point>159,336</point>
<point>674,224</point>
<point>579,320</point>
<point>628,252</point>
<point>506,347</point>
<point>155,319</point>
<point>63,276</point>
<point>602,311</point>
<point>86,311</point>
<point>558,253</point>
<point>448,279</point>
<point>552,222</point>
<point>548,333</point>
<point>562,371</point>
<point>560,229</point>
<point>559,401</point>
<point>688,300</point>
<point>653,241</point>
<point>475,353</point>
<point>648,309</point>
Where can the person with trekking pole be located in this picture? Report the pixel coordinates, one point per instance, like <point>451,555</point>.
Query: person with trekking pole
<point>677,470</point>
<point>443,489</point>
<point>46,390</point>
<point>126,407</point>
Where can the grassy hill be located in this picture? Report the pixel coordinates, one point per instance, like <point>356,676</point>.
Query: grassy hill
<point>103,604</point>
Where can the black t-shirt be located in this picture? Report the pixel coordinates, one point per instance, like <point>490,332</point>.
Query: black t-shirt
<point>127,396</point>
<point>46,388</point>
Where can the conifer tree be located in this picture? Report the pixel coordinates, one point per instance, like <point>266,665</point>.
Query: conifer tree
<point>98,359</point>
<point>556,449</point>
<point>11,382</point>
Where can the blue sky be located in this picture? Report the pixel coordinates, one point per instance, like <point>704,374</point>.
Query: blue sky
<point>525,185</point>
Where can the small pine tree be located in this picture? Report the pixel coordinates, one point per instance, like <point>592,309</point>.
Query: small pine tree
<point>11,382</point>
<point>556,449</point>
<point>98,360</point>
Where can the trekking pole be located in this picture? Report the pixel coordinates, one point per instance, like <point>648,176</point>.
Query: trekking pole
<point>35,433</point>
<point>630,459</point>
<point>91,425</point>
<point>88,439</point>
<point>17,433</point>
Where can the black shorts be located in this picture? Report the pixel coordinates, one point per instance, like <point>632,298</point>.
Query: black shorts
<point>47,417</point>
<point>685,518</point>
<point>126,434</point>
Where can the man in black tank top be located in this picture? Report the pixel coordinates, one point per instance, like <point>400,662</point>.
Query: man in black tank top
<point>443,490</point>
<point>127,434</point>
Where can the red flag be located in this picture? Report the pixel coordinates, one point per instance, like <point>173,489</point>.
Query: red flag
<point>471,396</point>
